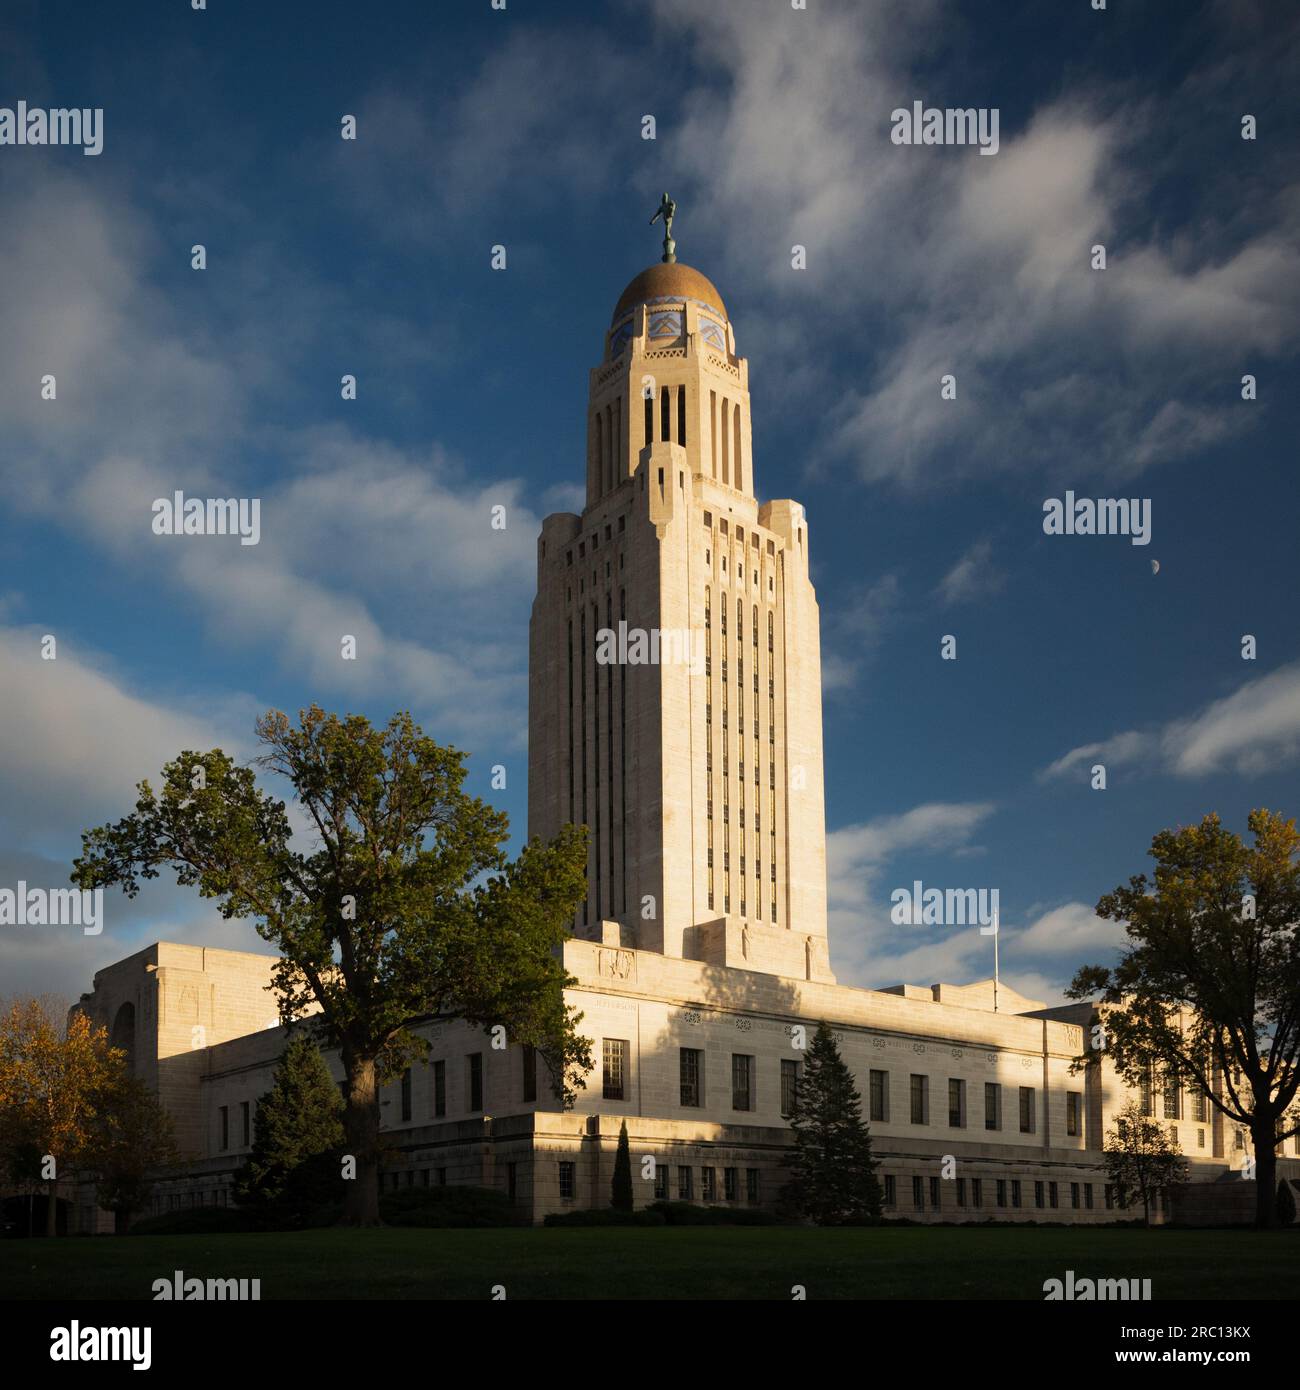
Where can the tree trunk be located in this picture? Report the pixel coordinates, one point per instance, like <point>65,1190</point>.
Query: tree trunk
<point>52,1208</point>
<point>361,1127</point>
<point>1263,1137</point>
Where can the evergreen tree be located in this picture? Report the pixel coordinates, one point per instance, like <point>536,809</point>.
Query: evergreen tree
<point>1285,1204</point>
<point>298,1138</point>
<point>833,1176</point>
<point>621,1198</point>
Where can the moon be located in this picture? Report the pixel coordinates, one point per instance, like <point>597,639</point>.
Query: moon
<point>1155,566</point>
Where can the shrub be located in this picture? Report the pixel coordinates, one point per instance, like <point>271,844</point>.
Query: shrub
<point>688,1214</point>
<point>446,1207</point>
<point>1285,1204</point>
<point>195,1221</point>
<point>605,1216</point>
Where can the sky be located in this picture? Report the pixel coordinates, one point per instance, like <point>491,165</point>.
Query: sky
<point>523,127</point>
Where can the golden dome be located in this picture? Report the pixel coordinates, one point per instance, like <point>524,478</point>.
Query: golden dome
<point>671,280</point>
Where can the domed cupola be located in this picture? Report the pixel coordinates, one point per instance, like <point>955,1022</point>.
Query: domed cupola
<point>665,289</point>
<point>670,379</point>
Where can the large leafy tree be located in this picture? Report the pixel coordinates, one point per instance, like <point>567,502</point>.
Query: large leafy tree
<point>54,1077</point>
<point>833,1176</point>
<point>402,904</point>
<point>130,1138</point>
<point>299,1119</point>
<point>1208,989</point>
<point>1141,1158</point>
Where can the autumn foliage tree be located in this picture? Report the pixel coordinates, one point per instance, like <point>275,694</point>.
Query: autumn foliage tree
<point>1208,989</point>
<point>401,904</point>
<point>55,1076</point>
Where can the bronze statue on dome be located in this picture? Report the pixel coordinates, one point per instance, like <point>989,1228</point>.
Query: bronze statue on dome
<point>667,210</point>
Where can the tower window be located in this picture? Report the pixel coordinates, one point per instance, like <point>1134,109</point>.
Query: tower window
<point>664,414</point>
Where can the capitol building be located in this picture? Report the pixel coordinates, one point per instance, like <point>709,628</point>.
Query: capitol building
<point>700,957</point>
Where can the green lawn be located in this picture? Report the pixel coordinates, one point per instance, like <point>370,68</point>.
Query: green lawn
<point>698,1263</point>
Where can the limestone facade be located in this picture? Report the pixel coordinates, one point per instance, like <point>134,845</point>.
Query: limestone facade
<point>974,1114</point>
<point>700,958</point>
<point>699,775</point>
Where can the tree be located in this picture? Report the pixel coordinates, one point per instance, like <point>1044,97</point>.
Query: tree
<point>402,906</point>
<point>298,1119</point>
<point>621,1195</point>
<point>833,1176</point>
<point>1285,1204</point>
<point>1208,989</point>
<point>22,1164</point>
<point>130,1137</point>
<point>53,1076</point>
<point>1142,1158</point>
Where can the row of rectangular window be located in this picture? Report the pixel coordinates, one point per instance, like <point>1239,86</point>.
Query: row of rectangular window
<point>615,1080</point>
<point>1008,1193</point>
<point>919,1103</point>
<point>685,1183</point>
<point>1172,1100</point>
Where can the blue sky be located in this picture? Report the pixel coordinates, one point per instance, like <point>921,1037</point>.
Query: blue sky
<point>523,128</point>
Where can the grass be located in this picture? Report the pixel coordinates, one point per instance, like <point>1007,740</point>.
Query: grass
<point>671,1263</point>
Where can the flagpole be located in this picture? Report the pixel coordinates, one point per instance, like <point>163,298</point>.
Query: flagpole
<point>996,924</point>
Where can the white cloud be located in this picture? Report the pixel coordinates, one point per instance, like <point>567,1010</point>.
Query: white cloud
<point>1071,930</point>
<point>856,629</point>
<point>944,262</point>
<point>1118,750</point>
<point>1253,730</point>
<point>356,534</point>
<point>973,577</point>
<point>855,854</point>
<point>76,741</point>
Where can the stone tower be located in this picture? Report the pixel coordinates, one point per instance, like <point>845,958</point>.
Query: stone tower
<point>674,658</point>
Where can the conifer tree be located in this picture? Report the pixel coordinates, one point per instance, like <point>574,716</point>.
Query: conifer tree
<point>621,1197</point>
<point>299,1127</point>
<point>833,1176</point>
